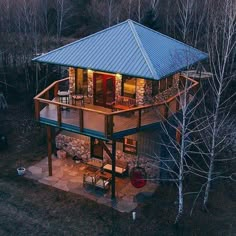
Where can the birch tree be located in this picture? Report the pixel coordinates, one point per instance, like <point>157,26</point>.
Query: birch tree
<point>178,133</point>
<point>221,45</point>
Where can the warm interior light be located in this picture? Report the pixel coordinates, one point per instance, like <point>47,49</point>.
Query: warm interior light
<point>90,71</point>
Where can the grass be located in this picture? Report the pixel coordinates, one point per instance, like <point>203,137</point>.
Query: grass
<point>30,208</point>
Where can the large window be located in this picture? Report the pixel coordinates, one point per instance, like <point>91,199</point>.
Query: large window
<point>130,146</point>
<point>128,86</point>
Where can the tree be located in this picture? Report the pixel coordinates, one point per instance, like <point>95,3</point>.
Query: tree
<point>221,46</point>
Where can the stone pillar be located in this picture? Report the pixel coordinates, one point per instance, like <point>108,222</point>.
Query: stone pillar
<point>71,80</point>
<point>118,84</point>
<point>176,80</point>
<point>90,85</point>
<point>148,92</point>
<point>140,91</point>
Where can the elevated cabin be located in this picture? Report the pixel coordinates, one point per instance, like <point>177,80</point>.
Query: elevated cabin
<point>122,82</point>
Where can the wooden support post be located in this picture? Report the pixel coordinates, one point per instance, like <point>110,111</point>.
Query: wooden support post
<point>81,120</point>
<point>49,141</point>
<point>113,181</point>
<point>139,118</point>
<point>59,115</point>
<point>37,109</point>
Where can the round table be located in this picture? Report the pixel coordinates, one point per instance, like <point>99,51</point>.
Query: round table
<point>78,97</point>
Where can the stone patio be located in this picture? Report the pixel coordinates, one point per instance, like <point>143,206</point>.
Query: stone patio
<point>68,176</point>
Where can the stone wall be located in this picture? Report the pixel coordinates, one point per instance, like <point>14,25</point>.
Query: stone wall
<point>90,84</point>
<point>71,80</point>
<point>74,146</point>
<point>80,146</point>
<point>148,92</point>
<point>140,92</point>
<point>118,85</point>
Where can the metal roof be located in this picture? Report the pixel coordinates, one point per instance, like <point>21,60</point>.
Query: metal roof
<point>127,48</point>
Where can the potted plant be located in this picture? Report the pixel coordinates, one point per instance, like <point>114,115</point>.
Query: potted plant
<point>20,169</point>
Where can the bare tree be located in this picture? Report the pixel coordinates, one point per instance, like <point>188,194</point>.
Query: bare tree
<point>221,44</point>
<point>178,139</point>
<point>185,15</point>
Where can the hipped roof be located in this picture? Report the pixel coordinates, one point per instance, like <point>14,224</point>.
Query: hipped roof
<point>127,48</point>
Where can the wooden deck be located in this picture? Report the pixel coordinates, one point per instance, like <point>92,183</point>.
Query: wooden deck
<point>101,122</point>
<point>94,123</point>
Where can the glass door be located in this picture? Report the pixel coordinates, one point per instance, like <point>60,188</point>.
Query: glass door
<point>110,91</point>
<point>98,90</point>
<point>104,89</point>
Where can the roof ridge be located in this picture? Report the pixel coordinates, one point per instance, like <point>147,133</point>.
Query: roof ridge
<point>143,51</point>
<point>166,36</point>
<point>80,40</point>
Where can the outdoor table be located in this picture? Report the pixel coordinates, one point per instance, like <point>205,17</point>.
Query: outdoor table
<point>63,96</point>
<point>78,97</point>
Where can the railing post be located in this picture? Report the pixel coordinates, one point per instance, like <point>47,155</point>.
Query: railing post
<point>139,118</point>
<point>113,180</point>
<point>59,115</point>
<point>47,95</point>
<point>110,125</point>
<point>81,120</point>
<point>166,111</point>
<point>49,142</point>
<point>56,87</point>
<point>106,126</point>
<point>37,109</point>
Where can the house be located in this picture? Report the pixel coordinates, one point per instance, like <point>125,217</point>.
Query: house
<point>122,81</point>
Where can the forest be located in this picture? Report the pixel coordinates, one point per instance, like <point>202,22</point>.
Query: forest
<point>31,27</point>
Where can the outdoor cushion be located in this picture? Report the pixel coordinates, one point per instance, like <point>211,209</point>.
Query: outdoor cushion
<point>102,183</point>
<point>118,169</point>
<point>89,179</point>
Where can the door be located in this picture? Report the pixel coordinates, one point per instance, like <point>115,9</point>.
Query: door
<point>96,149</point>
<point>104,89</point>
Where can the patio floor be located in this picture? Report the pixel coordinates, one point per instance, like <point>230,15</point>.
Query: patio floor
<point>68,176</point>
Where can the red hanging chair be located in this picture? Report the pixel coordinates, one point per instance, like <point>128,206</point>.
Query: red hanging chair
<point>138,177</point>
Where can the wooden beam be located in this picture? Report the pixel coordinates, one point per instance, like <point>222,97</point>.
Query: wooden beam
<point>106,149</point>
<point>49,141</point>
<point>113,180</point>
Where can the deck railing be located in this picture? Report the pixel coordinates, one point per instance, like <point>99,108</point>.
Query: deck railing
<point>108,124</point>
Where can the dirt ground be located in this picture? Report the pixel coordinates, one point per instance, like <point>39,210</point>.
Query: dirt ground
<point>30,208</point>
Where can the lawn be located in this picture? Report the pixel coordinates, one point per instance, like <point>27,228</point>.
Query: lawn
<point>30,208</point>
